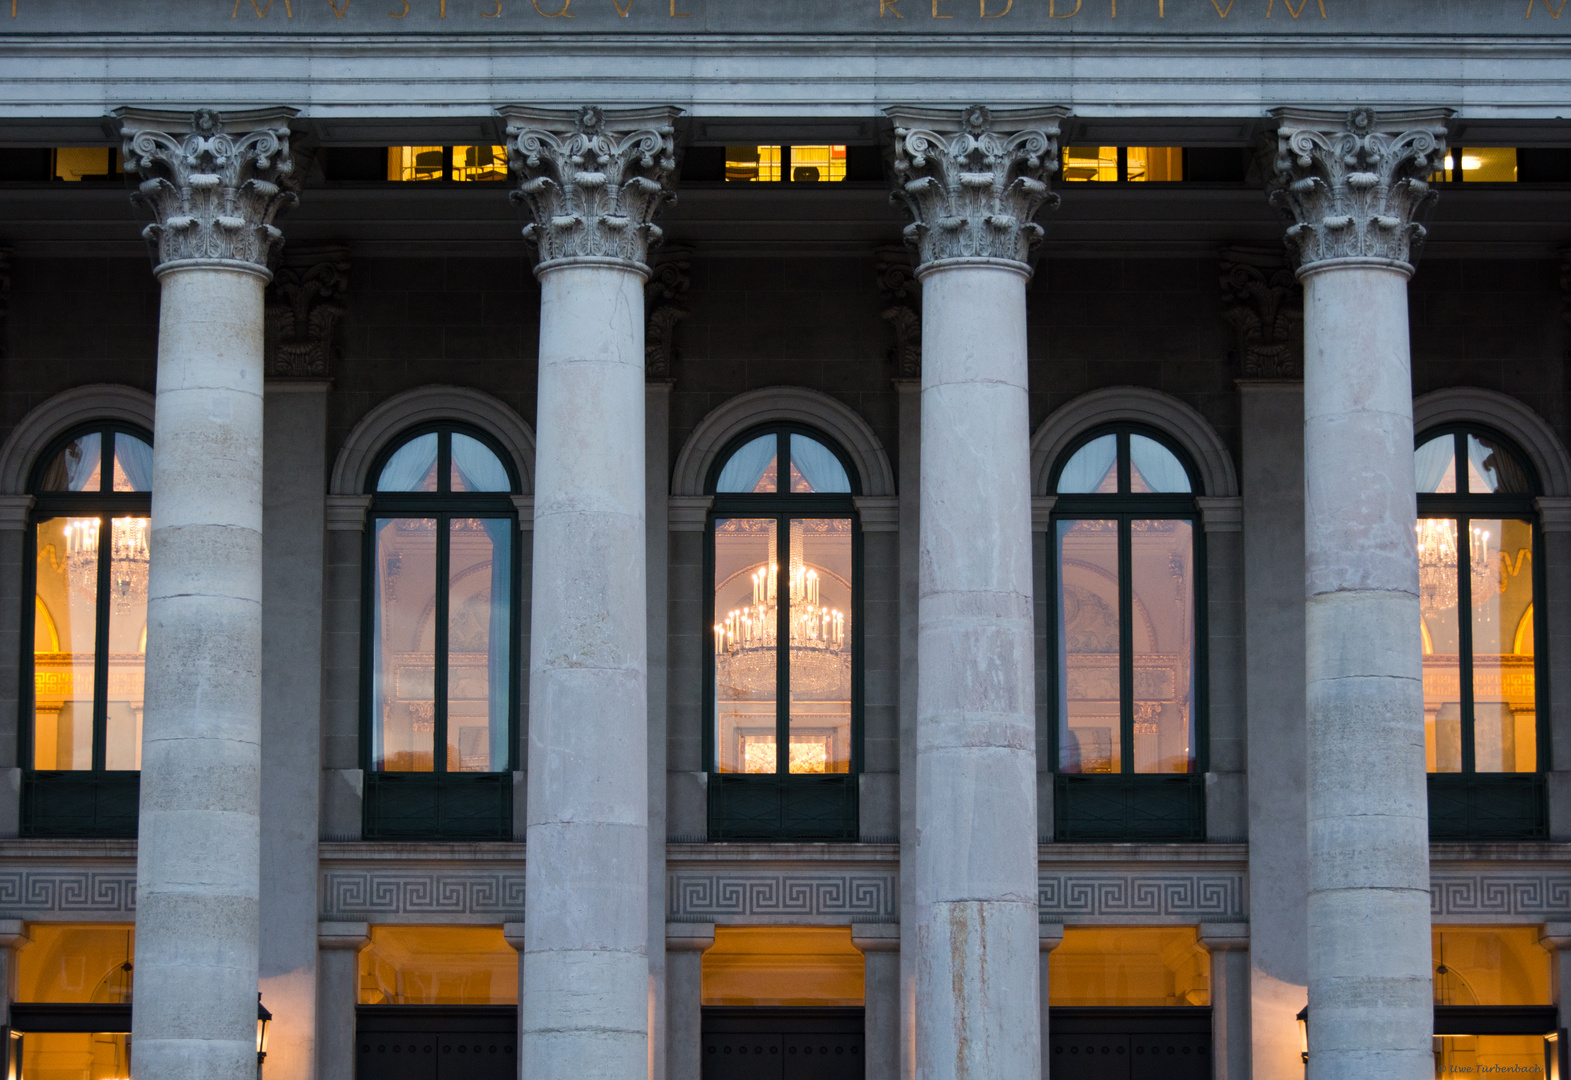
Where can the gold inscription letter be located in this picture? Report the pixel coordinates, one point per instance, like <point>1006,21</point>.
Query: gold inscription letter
<point>889,6</point>
<point>547,14</point>
<point>675,14</point>
<point>340,12</point>
<point>1220,10</point>
<point>1302,4</point>
<point>260,9</point>
<point>620,10</point>
<point>936,15</point>
<point>997,15</point>
<point>399,14</point>
<point>1554,13</point>
<point>492,14</point>
<point>1052,14</point>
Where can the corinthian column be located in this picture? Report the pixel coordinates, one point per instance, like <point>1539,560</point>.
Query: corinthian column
<point>214,186</point>
<point>592,182</point>
<point>972,182</point>
<point>1352,184</point>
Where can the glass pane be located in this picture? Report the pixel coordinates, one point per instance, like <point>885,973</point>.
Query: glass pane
<point>438,965</point>
<point>1493,164</point>
<point>1435,463</point>
<point>479,163</point>
<point>75,963</point>
<point>76,467</point>
<point>1090,163</point>
<point>1437,603</point>
<point>479,637</point>
<point>1490,965</point>
<point>746,633</point>
<point>403,673</point>
<point>752,469</point>
<point>1154,163</point>
<point>1088,649</point>
<point>1162,565</point>
<point>748,163</point>
<point>815,469</point>
<point>784,965</point>
<point>65,630</point>
<point>475,467</point>
<point>412,466</point>
<point>1466,1057</point>
<point>76,1055</point>
<point>1153,467</point>
<point>1093,468</point>
<point>128,561</point>
<point>1492,469</point>
<point>820,662</point>
<point>810,163</point>
<point>414,163</point>
<point>133,464</point>
<point>1505,707</point>
<point>1123,966</point>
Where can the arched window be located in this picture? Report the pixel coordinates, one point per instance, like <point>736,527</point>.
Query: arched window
<point>441,642</point>
<point>1128,689</point>
<point>784,552</point>
<point>89,562</point>
<point>1482,741</point>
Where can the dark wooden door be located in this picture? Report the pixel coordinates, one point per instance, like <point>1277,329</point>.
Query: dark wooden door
<point>782,1044</point>
<point>436,1042</point>
<point>1172,1043</point>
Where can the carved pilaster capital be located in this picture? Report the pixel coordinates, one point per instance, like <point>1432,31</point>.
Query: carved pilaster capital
<point>592,181</point>
<point>902,297</point>
<point>1354,184</point>
<point>1264,304</point>
<point>973,180</point>
<point>665,305</point>
<point>304,304</point>
<point>214,184</point>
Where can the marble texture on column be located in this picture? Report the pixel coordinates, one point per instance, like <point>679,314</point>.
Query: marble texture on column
<point>337,994</point>
<point>592,182</point>
<point>1353,185</point>
<point>684,994</point>
<point>1228,944</point>
<point>880,945</point>
<point>976,852</point>
<point>213,194</point>
<point>657,455</point>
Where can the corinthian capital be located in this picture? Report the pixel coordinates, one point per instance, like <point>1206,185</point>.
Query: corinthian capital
<point>973,179</point>
<point>1354,184</point>
<point>214,183</point>
<point>591,180</point>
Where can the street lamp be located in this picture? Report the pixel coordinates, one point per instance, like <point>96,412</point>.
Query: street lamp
<point>1303,1031</point>
<point>263,1017</point>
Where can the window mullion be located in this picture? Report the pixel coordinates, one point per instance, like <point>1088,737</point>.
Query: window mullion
<point>782,640</point>
<point>101,646</point>
<point>439,681</point>
<point>1126,645</point>
<point>1464,636</point>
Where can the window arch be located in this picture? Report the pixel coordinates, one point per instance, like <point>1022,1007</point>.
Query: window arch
<point>1479,630</point>
<point>1128,693</point>
<point>783,556</point>
<point>88,564</point>
<point>441,642</point>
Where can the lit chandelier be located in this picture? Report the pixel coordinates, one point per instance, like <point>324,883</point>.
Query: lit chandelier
<point>746,640</point>
<point>128,559</point>
<point>1437,563</point>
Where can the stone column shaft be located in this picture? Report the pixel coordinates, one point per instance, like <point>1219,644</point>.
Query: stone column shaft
<point>972,192</point>
<point>213,194</point>
<point>337,994</point>
<point>1049,937</point>
<point>592,183</point>
<point>684,997</point>
<point>1228,944</point>
<point>1353,185</point>
<point>880,945</point>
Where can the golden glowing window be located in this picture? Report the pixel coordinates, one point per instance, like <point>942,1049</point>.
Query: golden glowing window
<point>1154,163</point>
<point>459,163</point>
<point>1089,163</point>
<point>77,963</point>
<point>75,163</point>
<point>799,164</point>
<point>1492,967</point>
<point>1129,966</point>
<point>783,965</point>
<point>1480,164</point>
<point>438,965</point>
<point>1106,164</point>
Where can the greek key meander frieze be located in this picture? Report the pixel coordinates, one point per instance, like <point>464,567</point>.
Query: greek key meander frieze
<point>1516,894</point>
<point>57,891</point>
<point>1209,896</point>
<point>377,895</point>
<point>739,895</point>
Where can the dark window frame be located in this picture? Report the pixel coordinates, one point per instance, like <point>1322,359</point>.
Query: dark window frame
<point>831,796</point>
<point>439,804</point>
<point>1128,805</point>
<point>95,802</point>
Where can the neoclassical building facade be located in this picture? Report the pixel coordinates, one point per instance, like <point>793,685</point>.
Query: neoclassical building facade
<point>700,542</point>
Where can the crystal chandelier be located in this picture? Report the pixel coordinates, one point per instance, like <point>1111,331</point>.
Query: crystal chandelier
<point>1437,563</point>
<point>128,559</point>
<point>747,638</point>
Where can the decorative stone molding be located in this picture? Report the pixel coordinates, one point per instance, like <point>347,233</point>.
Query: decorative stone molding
<point>346,513</point>
<point>1264,304</point>
<point>348,936</point>
<point>1224,937</point>
<point>303,309</point>
<point>740,896</point>
<point>972,191</point>
<point>1135,404</point>
<point>792,403</point>
<point>14,512</point>
<point>878,513</point>
<point>898,286</point>
<point>1082,896</point>
<point>1353,184</point>
<point>592,180</point>
<point>1554,513</point>
<point>665,305</point>
<point>426,404</point>
<point>689,937</point>
<point>688,513</point>
<point>1219,514</point>
<point>213,193</point>
<point>421,895</point>
<point>50,419</point>
<point>1510,416</point>
<point>1042,512</point>
<point>876,937</point>
<point>1512,895</point>
<point>62,892</point>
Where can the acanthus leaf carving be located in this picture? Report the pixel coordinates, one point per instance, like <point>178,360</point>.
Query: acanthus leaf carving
<point>665,305</point>
<point>1263,303</point>
<point>592,180</point>
<point>304,305</point>
<point>902,295</point>
<point>213,192</point>
<point>1353,185</point>
<point>974,179</point>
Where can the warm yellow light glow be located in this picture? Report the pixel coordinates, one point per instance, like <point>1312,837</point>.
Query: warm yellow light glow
<point>749,163</point>
<point>438,965</point>
<point>72,163</point>
<point>818,163</point>
<point>1154,163</point>
<point>783,965</point>
<point>415,163</point>
<point>1090,163</point>
<point>1121,965</point>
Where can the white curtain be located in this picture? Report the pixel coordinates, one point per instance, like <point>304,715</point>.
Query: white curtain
<point>409,465</point>
<point>135,458</point>
<point>478,468</point>
<point>1162,471</point>
<point>819,466</point>
<point>747,466</point>
<point>1085,471</point>
<point>1432,460</point>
